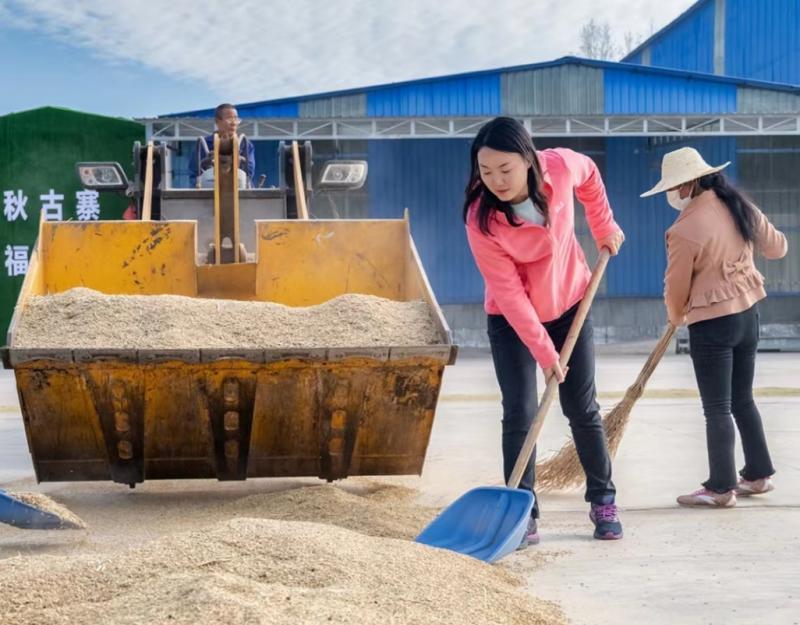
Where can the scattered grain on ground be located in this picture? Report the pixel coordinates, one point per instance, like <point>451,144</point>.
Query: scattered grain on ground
<point>267,571</point>
<point>386,511</point>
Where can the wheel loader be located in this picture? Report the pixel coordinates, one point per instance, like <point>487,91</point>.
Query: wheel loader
<point>131,415</point>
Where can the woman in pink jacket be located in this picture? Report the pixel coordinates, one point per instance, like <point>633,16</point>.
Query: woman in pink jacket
<point>520,222</point>
<point>712,285</point>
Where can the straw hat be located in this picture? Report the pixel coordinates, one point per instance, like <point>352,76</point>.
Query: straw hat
<point>682,166</point>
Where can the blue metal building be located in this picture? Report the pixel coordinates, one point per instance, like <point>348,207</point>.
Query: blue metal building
<point>416,136</point>
<point>757,39</point>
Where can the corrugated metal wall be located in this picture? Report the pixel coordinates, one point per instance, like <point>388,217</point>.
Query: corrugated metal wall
<point>568,89</point>
<point>563,90</point>
<point>267,162</point>
<point>764,101</point>
<point>256,109</point>
<point>470,95</point>
<point>428,177</point>
<point>636,59</point>
<point>635,271</point>
<point>782,277</point>
<point>629,92</point>
<point>689,44</point>
<point>763,39</point>
<point>179,160</point>
<point>763,167</point>
<point>633,166</point>
<point>768,169</point>
<point>337,106</point>
<point>277,109</point>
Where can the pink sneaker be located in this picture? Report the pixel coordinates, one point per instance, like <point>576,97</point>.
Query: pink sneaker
<point>705,497</point>
<point>531,535</point>
<point>745,488</point>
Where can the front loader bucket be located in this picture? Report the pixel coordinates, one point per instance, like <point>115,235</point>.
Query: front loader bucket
<point>129,415</point>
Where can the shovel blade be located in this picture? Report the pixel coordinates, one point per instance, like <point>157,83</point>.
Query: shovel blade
<point>24,516</point>
<point>486,523</point>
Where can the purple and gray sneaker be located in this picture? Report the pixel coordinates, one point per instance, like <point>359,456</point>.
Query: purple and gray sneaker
<point>606,522</point>
<point>531,536</point>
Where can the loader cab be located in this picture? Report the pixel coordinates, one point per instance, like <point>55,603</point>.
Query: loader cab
<point>226,213</point>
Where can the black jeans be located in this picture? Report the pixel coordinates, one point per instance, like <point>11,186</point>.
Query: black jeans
<point>516,373</point>
<point>724,356</point>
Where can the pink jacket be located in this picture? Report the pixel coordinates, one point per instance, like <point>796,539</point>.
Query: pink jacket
<point>536,273</point>
<point>710,269</point>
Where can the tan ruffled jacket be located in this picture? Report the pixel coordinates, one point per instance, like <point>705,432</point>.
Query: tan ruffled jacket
<point>710,269</point>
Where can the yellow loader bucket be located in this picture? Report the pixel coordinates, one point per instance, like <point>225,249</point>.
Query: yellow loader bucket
<point>130,415</point>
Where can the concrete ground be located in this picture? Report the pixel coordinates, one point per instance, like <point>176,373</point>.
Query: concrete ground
<point>675,565</point>
<point>734,566</point>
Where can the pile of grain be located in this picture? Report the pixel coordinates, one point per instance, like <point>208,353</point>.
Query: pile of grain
<point>266,571</point>
<point>45,504</point>
<point>386,511</point>
<point>83,318</point>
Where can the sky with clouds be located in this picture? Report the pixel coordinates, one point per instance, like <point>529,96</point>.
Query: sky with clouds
<point>137,58</point>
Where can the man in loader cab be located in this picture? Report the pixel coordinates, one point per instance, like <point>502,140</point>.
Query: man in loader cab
<point>226,119</point>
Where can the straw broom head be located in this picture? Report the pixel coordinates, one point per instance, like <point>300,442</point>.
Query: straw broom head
<point>564,470</point>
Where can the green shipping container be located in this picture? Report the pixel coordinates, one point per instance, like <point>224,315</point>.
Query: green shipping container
<point>38,152</point>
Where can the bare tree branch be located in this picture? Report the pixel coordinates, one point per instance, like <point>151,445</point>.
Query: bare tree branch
<point>597,42</point>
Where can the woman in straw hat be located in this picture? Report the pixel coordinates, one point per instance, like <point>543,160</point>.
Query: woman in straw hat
<point>519,217</point>
<point>712,284</point>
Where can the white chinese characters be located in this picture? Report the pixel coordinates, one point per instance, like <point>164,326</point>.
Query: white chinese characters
<point>14,205</point>
<point>87,207</point>
<point>52,206</point>
<point>16,260</point>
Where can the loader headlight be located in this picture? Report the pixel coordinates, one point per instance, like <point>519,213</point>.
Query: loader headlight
<point>102,176</point>
<point>343,175</point>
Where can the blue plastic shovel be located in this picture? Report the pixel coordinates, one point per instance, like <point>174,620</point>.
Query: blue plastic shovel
<point>25,516</point>
<point>489,522</point>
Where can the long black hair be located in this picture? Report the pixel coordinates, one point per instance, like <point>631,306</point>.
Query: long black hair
<point>739,206</point>
<point>505,135</point>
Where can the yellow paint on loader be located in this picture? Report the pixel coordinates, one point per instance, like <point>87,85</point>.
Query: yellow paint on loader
<point>131,415</point>
<point>322,259</point>
<point>119,257</point>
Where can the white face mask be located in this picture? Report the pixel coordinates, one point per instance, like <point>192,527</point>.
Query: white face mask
<point>676,201</point>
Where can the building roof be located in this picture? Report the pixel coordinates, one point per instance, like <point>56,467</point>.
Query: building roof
<point>658,34</point>
<point>633,70</point>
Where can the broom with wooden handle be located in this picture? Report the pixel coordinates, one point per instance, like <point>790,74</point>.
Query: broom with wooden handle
<point>564,470</point>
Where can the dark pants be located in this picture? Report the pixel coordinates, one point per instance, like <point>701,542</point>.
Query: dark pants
<point>724,356</point>
<point>516,373</point>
